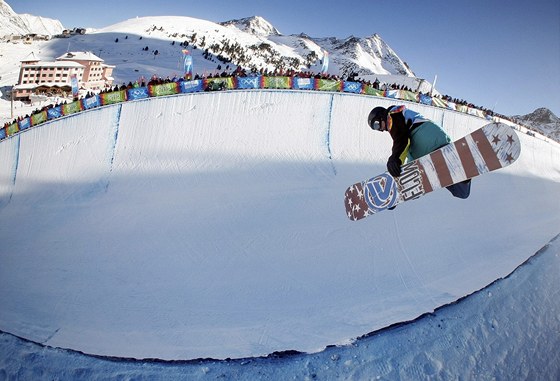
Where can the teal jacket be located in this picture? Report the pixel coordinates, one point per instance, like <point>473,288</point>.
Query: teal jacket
<point>413,134</point>
<point>426,138</point>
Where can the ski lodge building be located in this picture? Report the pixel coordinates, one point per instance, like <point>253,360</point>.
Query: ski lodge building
<point>38,77</point>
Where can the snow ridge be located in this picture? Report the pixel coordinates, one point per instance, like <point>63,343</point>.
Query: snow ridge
<point>12,23</point>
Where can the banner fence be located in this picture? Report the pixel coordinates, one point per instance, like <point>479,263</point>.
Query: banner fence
<point>230,83</point>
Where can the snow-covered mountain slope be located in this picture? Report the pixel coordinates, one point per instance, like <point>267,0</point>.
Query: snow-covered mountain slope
<point>212,225</point>
<point>255,43</point>
<point>542,120</point>
<point>255,25</point>
<point>251,43</point>
<point>20,24</point>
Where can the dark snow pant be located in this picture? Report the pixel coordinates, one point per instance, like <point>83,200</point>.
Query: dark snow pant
<point>461,190</point>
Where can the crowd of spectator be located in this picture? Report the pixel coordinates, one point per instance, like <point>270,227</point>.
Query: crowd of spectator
<point>240,72</point>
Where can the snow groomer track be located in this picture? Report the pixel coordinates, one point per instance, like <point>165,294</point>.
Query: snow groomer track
<point>212,225</point>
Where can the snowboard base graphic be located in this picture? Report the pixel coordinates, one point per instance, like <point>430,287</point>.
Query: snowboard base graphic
<point>487,149</point>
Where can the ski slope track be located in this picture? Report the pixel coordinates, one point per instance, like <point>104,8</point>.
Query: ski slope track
<point>213,225</point>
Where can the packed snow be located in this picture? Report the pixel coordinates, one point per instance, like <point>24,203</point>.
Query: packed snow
<point>507,331</point>
<point>212,225</point>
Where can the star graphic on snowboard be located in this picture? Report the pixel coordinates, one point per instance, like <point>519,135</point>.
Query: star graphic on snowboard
<point>509,158</point>
<point>510,139</point>
<point>496,139</point>
<point>360,194</point>
<point>356,207</point>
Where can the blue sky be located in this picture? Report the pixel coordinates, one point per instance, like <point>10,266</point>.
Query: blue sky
<point>503,55</point>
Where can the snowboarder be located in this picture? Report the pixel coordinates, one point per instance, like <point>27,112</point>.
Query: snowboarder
<point>413,136</point>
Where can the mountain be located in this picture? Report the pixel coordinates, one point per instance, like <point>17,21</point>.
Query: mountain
<point>361,56</point>
<point>542,120</point>
<point>143,47</point>
<point>19,24</point>
<point>254,25</point>
<point>254,43</point>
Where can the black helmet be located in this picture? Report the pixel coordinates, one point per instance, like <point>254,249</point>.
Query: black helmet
<point>375,117</point>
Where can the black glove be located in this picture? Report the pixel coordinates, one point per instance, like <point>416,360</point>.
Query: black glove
<point>394,166</point>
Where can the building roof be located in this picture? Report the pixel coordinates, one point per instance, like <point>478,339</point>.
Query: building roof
<point>79,56</point>
<point>56,64</point>
<point>31,86</point>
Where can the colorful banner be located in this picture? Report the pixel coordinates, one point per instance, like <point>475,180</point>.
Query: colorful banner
<point>38,118</point>
<point>216,84</point>
<point>249,82</point>
<point>12,129</point>
<point>187,64</point>
<point>370,90</point>
<point>112,97</point>
<point>461,108</point>
<point>72,108</point>
<point>91,102</point>
<point>223,83</point>
<point>24,123</point>
<point>192,86</point>
<point>277,82</point>
<point>408,96</point>
<point>169,88</point>
<point>392,94</point>
<point>352,87</point>
<point>475,112</point>
<point>54,112</point>
<point>325,67</point>
<point>438,102</point>
<point>327,85</point>
<point>137,93</point>
<point>74,83</point>
<point>303,83</point>
<point>425,99</point>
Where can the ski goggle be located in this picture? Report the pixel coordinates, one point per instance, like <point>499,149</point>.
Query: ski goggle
<point>375,125</point>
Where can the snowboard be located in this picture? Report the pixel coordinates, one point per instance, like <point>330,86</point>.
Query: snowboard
<point>487,149</point>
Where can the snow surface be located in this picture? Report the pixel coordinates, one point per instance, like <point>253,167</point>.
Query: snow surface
<point>212,225</point>
<point>507,331</point>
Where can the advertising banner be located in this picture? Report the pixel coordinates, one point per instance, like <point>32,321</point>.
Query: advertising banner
<point>303,83</point>
<point>352,87</point>
<point>112,97</point>
<point>327,85</point>
<point>72,108</point>
<point>169,88</point>
<point>24,123</point>
<point>277,82</point>
<point>249,82</point>
<point>91,102</point>
<point>137,93</point>
<point>38,118</point>
<point>192,86</point>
